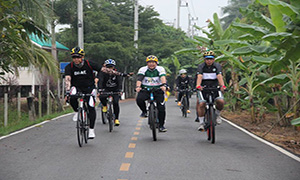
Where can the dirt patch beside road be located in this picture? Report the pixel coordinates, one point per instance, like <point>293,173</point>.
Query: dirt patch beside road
<point>286,137</point>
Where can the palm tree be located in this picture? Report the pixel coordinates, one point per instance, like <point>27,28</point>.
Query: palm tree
<point>17,20</point>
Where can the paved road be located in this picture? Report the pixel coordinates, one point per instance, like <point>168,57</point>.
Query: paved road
<point>50,152</point>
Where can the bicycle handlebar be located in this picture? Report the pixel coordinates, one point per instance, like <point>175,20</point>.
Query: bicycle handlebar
<point>109,93</point>
<point>81,95</point>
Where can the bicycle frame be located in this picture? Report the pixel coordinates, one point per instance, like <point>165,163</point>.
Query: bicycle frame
<point>83,123</point>
<point>184,103</point>
<point>152,118</point>
<point>210,116</point>
<point>109,113</point>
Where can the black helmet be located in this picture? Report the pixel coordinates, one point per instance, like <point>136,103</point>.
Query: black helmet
<point>77,51</point>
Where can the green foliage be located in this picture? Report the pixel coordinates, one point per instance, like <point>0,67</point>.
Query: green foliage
<point>18,19</point>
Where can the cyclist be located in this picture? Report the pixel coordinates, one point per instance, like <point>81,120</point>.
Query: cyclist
<point>152,76</point>
<point>209,73</point>
<point>79,73</point>
<point>109,82</point>
<point>183,82</point>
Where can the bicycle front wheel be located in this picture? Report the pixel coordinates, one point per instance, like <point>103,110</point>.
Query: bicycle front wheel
<point>110,118</point>
<point>79,127</point>
<point>85,126</point>
<point>212,124</point>
<point>152,121</point>
<point>184,107</point>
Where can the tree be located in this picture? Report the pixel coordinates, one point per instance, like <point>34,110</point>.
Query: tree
<point>17,20</point>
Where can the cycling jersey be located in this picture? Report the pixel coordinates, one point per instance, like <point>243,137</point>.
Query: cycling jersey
<point>109,82</point>
<point>151,78</point>
<point>182,83</point>
<point>82,77</point>
<point>209,73</point>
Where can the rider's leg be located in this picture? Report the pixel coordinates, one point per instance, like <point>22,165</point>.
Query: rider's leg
<point>188,100</point>
<point>74,103</point>
<point>161,111</point>
<point>179,98</point>
<point>140,100</point>
<point>201,113</point>
<point>116,106</point>
<point>219,106</point>
<point>103,100</point>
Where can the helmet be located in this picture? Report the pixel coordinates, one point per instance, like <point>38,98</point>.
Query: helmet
<point>77,51</point>
<point>182,71</point>
<point>209,54</point>
<point>152,58</point>
<point>110,62</point>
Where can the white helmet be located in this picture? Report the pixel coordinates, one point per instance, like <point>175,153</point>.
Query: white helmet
<point>182,71</point>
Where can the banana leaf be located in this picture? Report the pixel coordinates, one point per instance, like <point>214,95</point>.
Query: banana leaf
<point>296,122</point>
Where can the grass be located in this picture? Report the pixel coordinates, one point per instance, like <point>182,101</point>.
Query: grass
<point>14,124</point>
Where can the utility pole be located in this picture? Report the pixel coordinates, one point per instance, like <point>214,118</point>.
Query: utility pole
<point>80,24</point>
<point>178,12</point>
<point>136,22</point>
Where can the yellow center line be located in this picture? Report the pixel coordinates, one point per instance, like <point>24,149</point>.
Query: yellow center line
<point>136,133</point>
<point>134,138</point>
<point>138,128</point>
<point>125,167</point>
<point>131,145</point>
<point>140,121</point>
<point>129,154</point>
<point>139,124</point>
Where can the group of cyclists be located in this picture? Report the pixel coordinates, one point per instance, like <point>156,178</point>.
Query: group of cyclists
<point>80,74</point>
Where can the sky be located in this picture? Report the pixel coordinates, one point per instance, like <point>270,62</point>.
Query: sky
<point>201,9</point>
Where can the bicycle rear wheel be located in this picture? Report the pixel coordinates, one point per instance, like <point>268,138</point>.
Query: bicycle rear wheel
<point>152,121</point>
<point>110,118</point>
<point>79,127</point>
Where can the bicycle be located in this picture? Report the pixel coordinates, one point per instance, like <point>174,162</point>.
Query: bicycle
<point>210,116</point>
<point>184,101</point>
<point>83,120</point>
<point>109,115</point>
<point>152,108</point>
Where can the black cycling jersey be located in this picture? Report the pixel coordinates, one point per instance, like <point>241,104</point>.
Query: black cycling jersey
<point>109,82</point>
<point>82,77</point>
<point>182,83</point>
<point>209,73</point>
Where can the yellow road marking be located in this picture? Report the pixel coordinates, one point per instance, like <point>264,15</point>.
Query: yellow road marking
<point>139,124</point>
<point>140,121</point>
<point>131,145</point>
<point>138,128</point>
<point>125,167</point>
<point>129,155</point>
<point>134,138</point>
<point>136,133</point>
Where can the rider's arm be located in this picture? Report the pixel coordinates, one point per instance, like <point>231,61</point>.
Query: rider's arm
<point>220,80</point>
<point>163,79</point>
<point>68,82</point>
<point>199,80</point>
<point>119,79</point>
<point>100,81</point>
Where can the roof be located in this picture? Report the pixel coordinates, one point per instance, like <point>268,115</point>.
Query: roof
<point>46,44</point>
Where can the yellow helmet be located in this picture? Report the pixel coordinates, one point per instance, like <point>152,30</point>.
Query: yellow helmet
<point>77,51</point>
<point>209,54</point>
<point>152,58</point>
